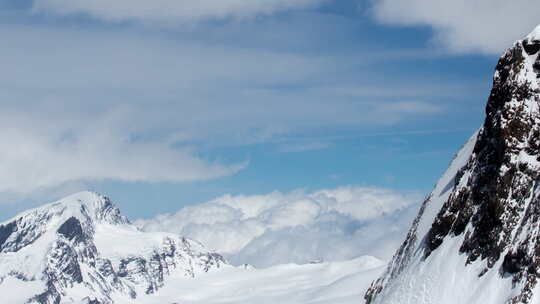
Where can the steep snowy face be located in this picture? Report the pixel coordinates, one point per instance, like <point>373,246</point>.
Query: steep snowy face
<point>73,217</point>
<point>477,238</point>
<point>82,249</point>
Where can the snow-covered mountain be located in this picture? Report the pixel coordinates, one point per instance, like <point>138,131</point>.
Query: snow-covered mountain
<point>81,250</point>
<point>477,236</point>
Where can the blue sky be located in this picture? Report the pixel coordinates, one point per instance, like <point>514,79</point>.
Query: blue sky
<point>160,108</point>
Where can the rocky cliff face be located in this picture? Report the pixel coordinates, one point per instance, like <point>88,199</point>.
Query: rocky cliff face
<point>484,215</point>
<point>81,250</point>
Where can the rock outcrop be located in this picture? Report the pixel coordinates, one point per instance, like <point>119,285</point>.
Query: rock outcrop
<point>483,217</point>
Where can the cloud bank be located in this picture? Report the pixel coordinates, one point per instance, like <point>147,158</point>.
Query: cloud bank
<point>39,154</point>
<point>485,26</point>
<point>299,227</point>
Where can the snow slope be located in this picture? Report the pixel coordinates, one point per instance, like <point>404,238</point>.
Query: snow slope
<point>324,283</point>
<point>409,279</point>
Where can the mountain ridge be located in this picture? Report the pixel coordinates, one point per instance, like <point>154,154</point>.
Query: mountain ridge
<point>81,248</point>
<point>479,240</point>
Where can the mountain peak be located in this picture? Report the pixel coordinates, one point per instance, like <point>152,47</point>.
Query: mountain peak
<point>92,204</point>
<point>479,226</point>
<point>87,206</point>
<point>534,35</point>
<point>531,43</point>
<point>83,196</point>
<point>81,250</point>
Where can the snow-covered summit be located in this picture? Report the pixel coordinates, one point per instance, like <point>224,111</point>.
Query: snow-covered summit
<point>85,205</point>
<point>98,207</point>
<point>80,248</point>
<point>534,35</point>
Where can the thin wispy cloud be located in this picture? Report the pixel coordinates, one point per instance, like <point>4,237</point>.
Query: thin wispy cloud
<point>42,150</point>
<point>124,107</point>
<point>303,147</point>
<point>397,90</point>
<point>169,12</point>
<point>327,140</point>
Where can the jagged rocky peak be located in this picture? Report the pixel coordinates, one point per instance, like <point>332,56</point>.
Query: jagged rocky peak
<point>531,43</point>
<point>80,211</point>
<point>98,206</point>
<point>80,249</point>
<point>481,224</point>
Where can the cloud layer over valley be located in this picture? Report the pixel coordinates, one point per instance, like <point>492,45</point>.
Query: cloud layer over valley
<point>299,227</point>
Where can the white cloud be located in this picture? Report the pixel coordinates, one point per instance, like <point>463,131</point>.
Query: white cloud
<point>81,105</point>
<point>169,11</point>
<point>295,147</point>
<point>277,228</point>
<point>487,26</point>
<point>39,152</point>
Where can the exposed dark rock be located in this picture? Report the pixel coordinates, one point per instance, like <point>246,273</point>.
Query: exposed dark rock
<point>532,47</point>
<point>50,296</point>
<point>63,265</point>
<point>72,230</point>
<point>5,232</point>
<point>22,232</point>
<point>515,261</point>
